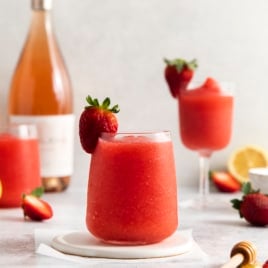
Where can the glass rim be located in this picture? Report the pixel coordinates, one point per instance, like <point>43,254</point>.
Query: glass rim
<point>163,135</point>
<point>21,130</point>
<point>226,86</point>
<point>135,132</point>
<point>16,125</point>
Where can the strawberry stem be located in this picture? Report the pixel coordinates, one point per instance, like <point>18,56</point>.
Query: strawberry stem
<point>247,189</point>
<point>38,192</point>
<point>179,64</point>
<point>105,104</point>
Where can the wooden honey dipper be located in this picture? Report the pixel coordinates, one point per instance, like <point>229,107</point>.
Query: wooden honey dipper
<point>242,253</point>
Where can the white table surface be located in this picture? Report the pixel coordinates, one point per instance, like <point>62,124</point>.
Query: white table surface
<point>216,229</point>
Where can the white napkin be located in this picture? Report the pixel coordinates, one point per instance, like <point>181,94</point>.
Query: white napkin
<point>43,238</point>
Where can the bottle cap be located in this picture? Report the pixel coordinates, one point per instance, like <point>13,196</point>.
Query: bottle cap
<point>41,4</point>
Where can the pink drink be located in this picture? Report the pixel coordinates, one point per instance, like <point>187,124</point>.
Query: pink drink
<point>205,117</point>
<point>132,192</point>
<point>19,164</point>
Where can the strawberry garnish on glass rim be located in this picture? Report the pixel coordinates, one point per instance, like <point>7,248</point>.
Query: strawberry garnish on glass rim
<point>96,119</point>
<point>178,74</point>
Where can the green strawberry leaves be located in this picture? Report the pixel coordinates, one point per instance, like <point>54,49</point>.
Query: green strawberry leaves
<point>105,104</point>
<point>38,192</point>
<point>246,189</point>
<point>179,64</point>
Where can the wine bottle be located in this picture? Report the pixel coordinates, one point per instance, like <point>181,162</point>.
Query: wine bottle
<point>41,93</point>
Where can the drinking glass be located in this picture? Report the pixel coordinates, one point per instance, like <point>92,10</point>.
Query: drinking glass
<point>19,163</point>
<point>205,122</point>
<point>132,191</point>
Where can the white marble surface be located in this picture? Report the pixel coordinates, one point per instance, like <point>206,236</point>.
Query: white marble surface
<point>215,229</point>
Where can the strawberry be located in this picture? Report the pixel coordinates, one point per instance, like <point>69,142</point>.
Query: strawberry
<point>224,181</point>
<point>178,74</point>
<point>253,206</point>
<point>265,265</point>
<point>95,119</point>
<point>34,207</point>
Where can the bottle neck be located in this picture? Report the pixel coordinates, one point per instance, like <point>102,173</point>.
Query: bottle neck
<point>40,33</point>
<point>41,21</point>
<point>41,4</point>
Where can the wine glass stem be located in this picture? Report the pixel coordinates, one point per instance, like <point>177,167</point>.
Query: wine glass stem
<point>204,182</point>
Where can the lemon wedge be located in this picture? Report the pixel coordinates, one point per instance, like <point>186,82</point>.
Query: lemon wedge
<point>244,158</point>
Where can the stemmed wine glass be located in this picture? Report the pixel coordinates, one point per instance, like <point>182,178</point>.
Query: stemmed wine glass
<point>205,122</point>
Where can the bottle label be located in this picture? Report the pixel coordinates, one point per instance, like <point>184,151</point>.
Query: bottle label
<point>56,142</point>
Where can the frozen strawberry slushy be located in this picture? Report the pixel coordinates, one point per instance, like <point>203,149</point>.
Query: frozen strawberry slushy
<point>132,192</point>
<point>19,165</point>
<point>205,115</point>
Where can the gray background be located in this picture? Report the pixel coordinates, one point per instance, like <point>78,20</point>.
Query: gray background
<point>116,48</point>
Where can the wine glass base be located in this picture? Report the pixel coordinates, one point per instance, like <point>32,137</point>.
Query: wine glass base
<point>196,203</point>
<point>209,202</point>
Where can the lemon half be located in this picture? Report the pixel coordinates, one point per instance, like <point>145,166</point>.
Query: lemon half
<point>244,158</point>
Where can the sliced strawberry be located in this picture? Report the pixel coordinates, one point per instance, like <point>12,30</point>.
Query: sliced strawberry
<point>253,206</point>
<point>178,74</point>
<point>34,207</point>
<point>94,120</point>
<point>224,181</point>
